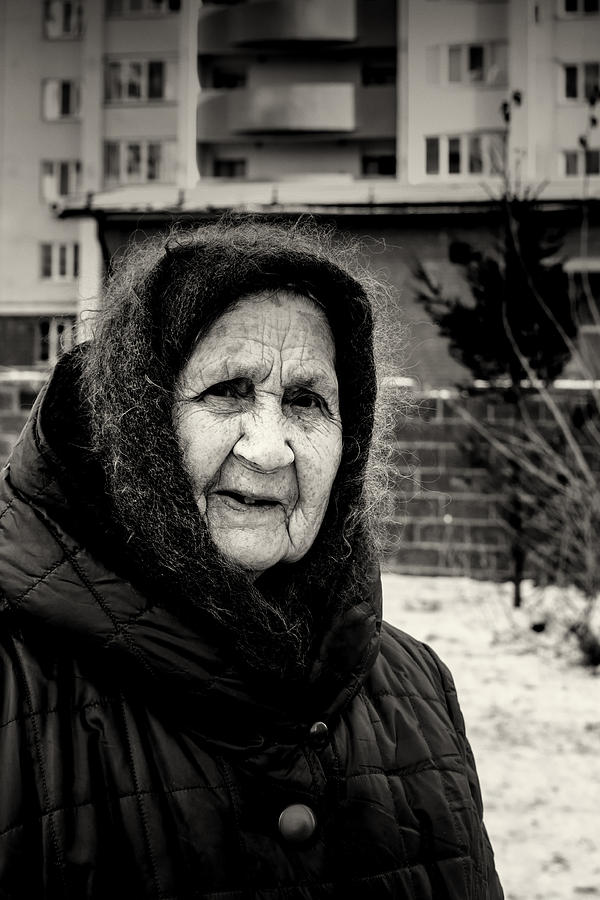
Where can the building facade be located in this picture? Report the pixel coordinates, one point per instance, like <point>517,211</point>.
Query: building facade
<point>269,105</point>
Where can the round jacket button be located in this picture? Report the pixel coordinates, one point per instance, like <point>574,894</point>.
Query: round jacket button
<point>319,732</point>
<point>297,823</point>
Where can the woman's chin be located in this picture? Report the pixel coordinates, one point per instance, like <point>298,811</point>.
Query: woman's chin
<point>254,559</point>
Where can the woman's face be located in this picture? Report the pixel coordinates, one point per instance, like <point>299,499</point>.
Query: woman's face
<point>257,418</point>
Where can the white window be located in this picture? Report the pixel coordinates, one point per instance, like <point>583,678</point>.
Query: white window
<point>59,177</point>
<point>139,161</point>
<point>139,80</point>
<point>581,162</point>
<point>59,261</point>
<point>478,153</point>
<point>581,81</point>
<point>60,99</point>
<point>63,19</point>
<point>54,336</point>
<point>478,64</point>
<point>141,7</point>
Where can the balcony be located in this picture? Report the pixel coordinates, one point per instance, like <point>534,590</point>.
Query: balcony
<point>277,109</point>
<point>264,23</point>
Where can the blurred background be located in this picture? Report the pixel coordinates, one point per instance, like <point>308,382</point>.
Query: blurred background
<point>459,141</point>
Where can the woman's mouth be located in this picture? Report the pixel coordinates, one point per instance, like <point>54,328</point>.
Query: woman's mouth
<point>248,500</point>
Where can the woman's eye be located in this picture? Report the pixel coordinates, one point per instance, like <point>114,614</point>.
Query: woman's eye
<point>307,401</point>
<point>236,389</point>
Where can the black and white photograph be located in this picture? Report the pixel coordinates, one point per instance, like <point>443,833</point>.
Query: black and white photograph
<point>299,449</point>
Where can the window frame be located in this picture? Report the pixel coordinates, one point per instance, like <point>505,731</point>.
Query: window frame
<point>75,99</point>
<point>120,77</point>
<point>74,171</point>
<point>377,158</point>
<point>147,9</point>
<point>76,32</point>
<point>581,156</point>
<point>59,255</point>
<point>59,339</point>
<point>487,141</point>
<point>580,80</point>
<point>579,12</point>
<point>457,63</point>
<point>117,150</point>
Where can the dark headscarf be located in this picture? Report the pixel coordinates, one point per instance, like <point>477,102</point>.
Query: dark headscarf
<point>130,489</point>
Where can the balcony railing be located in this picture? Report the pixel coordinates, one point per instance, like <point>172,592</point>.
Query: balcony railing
<point>272,109</point>
<point>281,21</point>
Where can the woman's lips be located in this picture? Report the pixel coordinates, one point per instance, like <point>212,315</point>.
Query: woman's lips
<point>247,503</point>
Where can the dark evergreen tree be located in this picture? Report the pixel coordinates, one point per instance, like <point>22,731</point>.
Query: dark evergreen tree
<point>519,295</point>
<point>518,317</point>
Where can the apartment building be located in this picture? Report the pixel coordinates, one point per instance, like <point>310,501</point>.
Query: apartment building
<point>119,115</point>
<point>88,99</point>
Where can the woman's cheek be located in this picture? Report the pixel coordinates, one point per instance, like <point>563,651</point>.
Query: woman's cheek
<point>207,441</point>
<point>318,456</point>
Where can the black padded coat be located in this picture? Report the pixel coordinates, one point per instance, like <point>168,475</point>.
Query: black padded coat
<point>135,762</point>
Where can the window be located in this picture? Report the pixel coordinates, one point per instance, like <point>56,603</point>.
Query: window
<point>141,7</point>
<point>592,162</point>
<point>455,64</point>
<point>591,79</point>
<point>138,162</point>
<point>382,164</point>
<point>571,88</point>
<point>475,155</point>
<point>222,73</point>
<point>581,6</point>
<point>496,151</point>
<point>453,156</point>
<point>475,62</point>
<point>379,71</point>
<point>156,80</point>
<point>135,80</point>
<point>227,77</point>
<point>432,155</point>
<point>571,161</point>
<point>485,63</point>
<point>59,261</point>
<point>62,19</point>
<point>59,177</point>
<point>229,168</point>
<point>54,336</point>
<point>581,162</point>
<point>481,153</point>
<point>581,81</point>
<point>60,99</point>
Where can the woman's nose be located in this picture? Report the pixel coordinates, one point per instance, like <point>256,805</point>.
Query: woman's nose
<point>263,442</point>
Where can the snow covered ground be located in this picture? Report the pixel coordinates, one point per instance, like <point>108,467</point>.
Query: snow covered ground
<point>533,719</point>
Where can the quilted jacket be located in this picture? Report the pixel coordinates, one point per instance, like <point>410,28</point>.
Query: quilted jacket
<point>135,762</point>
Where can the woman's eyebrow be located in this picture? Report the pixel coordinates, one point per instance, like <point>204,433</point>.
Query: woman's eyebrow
<point>224,369</point>
<point>321,381</point>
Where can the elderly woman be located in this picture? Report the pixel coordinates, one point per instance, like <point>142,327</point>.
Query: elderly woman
<point>199,697</point>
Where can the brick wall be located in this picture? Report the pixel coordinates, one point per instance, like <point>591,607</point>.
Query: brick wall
<point>446,518</point>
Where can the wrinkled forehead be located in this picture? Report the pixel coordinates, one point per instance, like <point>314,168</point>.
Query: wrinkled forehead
<point>282,321</point>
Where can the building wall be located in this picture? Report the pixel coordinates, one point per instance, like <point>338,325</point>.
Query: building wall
<point>296,79</point>
<point>26,59</point>
<point>377,120</point>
